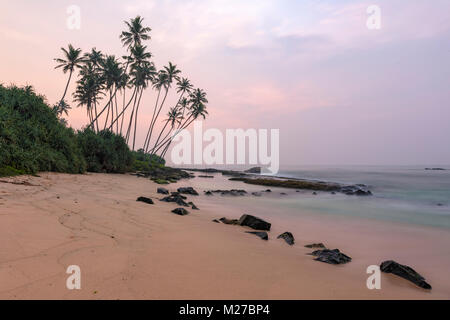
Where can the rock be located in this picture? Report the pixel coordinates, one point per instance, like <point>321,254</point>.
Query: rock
<point>216,221</point>
<point>315,246</point>
<point>254,222</point>
<point>254,170</point>
<point>331,256</point>
<point>188,190</point>
<point>358,190</point>
<point>194,207</point>
<point>205,176</point>
<point>435,169</point>
<point>288,237</point>
<point>268,190</point>
<point>405,272</point>
<point>146,200</point>
<point>256,194</point>
<point>180,211</point>
<point>283,193</point>
<point>314,193</point>
<point>263,235</point>
<point>332,192</point>
<point>175,198</point>
<point>177,194</point>
<point>232,192</point>
<point>162,191</point>
<point>229,221</point>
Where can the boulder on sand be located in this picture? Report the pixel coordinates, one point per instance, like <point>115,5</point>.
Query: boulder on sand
<point>331,256</point>
<point>315,246</point>
<point>180,211</point>
<point>262,234</point>
<point>145,200</point>
<point>188,190</point>
<point>254,222</point>
<point>178,199</point>
<point>229,221</point>
<point>405,272</point>
<point>288,237</point>
<point>162,191</point>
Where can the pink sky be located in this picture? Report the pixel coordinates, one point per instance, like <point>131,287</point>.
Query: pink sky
<point>339,92</point>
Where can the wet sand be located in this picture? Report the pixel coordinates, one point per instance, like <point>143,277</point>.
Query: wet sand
<point>132,250</point>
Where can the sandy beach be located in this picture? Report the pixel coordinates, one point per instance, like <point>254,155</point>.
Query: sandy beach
<point>131,250</point>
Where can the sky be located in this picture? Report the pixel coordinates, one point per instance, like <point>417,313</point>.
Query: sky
<point>340,93</point>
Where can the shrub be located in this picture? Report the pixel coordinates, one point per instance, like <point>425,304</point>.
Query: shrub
<point>105,151</point>
<point>32,138</point>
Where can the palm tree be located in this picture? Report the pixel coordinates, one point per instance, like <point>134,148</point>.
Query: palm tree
<point>61,107</point>
<point>136,32</point>
<point>72,59</point>
<point>112,75</point>
<point>168,75</point>
<point>174,117</point>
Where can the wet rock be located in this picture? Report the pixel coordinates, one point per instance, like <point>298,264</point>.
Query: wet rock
<point>268,190</point>
<point>175,198</point>
<point>288,237</point>
<point>162,191</point>
<point>316,246</point>
<point>232,192</point>
<point>263,235</point>
<point>229,221</point>
<point>405,272</point>
<point>188,190</point>
<point>144,199</point>
<point>254,222</point>
<point>180,211</point>
<point>357,190</point>
<point>205,176</point>
<point>256,170</point>
<point>256,194</point>
<point>331,256</point>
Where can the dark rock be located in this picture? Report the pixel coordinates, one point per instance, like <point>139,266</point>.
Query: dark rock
<point>162,191</point>
<point>175,198</point>
<point>164,174</point>
<point>216,221</point>
<point>288,237</point>
<point>331,256</point>
<point>254,170</point>
<point>180,211</point>
<point>194,207</point>
<point>358,190</point>
<point>208,193</point>
<point>232,192</point>
<point>177,194</point>
<point>146,200</point>
<point>204,176</point>
<point>254,222</point>
<point>256,194</point>
<point>229,221</point>
<point>268,190</point>
<point>263,235</point>
<point>405,272</point>
<point>283,193</point>
<point>332,192</point>
<point>435,169</point>
<point>314,193</point>
<point>315,246</point>
<point>188,190</point>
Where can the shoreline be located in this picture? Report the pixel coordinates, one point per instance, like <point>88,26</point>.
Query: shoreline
<point>131,250</point>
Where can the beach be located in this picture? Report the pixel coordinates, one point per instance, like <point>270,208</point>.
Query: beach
<point>132,250</point>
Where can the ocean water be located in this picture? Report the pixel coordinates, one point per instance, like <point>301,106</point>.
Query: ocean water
<point>403,194</point>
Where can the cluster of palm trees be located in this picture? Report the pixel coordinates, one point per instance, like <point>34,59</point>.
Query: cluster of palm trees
<point>111,89</point>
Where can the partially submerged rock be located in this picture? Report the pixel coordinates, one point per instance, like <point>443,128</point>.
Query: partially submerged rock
<point>319,245</point>
<point>262,234</point>
<point>163,174</point>
<point>405,272</point>
<point>145,200</point>
<point>232,192</point>
<point>162,191</point>
<point>180,211</point>
<point>331,256</point>
<point>288,237</point>
<point>254,222</point>
<point>188,190</point>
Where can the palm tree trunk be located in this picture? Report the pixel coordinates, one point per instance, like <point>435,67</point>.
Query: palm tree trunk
<point>128,104</point>
<point>67,85</point>
<point>147,141</point>
<point>157,115</point>
<point>135,118</point>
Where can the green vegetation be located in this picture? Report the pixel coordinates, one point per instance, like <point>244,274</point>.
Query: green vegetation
<point>105,151</point>
<point>32,138</point>
<point>10,172</point>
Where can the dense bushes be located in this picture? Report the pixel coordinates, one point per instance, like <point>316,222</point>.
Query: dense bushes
<point>32,138</point>
<point>105,151</point>
<point>144,161</point>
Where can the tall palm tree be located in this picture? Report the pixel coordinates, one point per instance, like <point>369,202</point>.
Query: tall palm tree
<point>136,32</point>
<point>174,117</point>
<point>61,107</point>
<point>72,60</point>
<point>169,73</point>
<point>112,75</point>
